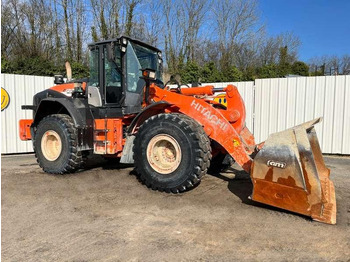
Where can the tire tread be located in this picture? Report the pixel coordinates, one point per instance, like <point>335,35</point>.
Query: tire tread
<point>76,159</point>
<point>203,150</point>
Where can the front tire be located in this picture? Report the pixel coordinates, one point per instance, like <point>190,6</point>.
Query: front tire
<point>171,152</point>
<point>56,145</point>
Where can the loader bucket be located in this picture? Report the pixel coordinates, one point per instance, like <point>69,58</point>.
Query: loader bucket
<point>289,172</point>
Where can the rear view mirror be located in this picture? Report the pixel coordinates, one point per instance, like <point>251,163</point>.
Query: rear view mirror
<point>58,79</point>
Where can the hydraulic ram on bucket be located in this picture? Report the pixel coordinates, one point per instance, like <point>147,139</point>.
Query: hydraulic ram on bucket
<point>289,173</point>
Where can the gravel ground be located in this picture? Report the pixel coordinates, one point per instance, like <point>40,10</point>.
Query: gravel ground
<point>105,214</point>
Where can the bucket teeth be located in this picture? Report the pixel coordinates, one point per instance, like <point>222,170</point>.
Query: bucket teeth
<point>289,172</point>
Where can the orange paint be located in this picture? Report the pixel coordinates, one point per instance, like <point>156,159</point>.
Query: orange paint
<point>199,91</point>
<point>222,125</point>
<point>24,129</point>
<point>108,136</point>
<point>68,86</point>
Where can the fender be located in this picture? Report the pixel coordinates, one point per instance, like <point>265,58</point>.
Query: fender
<point>77,109</point>
<point>148,111</point>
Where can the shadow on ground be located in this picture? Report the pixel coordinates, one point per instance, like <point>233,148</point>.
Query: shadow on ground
<point>239,182</point>
<point>241,186</point>
<point>95,161</point>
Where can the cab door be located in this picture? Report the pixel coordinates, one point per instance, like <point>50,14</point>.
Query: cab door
<point>113,88</point>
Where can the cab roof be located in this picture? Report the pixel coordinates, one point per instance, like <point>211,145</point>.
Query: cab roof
<point>136,41</point>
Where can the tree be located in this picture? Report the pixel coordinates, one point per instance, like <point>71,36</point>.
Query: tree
<point>300,68</point>
<point>232,46</point>
<point>34,66</point>
<point>183,19</point>
<point>79,70</point>
<point>150,30</point>
<point>235,21</point>
<point>345,65</point>
<point>284,66</point>
<point>270,47</point>
<point>268,71</point>
<point>190,72</point>
<point>106,18</point>
<point>130,9</point>
<point>210,73</point>
<point>330,65</point>
<point>232,74</point>
<point>69,55</point>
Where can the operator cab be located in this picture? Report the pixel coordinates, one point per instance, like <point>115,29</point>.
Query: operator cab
<point>115,86</point>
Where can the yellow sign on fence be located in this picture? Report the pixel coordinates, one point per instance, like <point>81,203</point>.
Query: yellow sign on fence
<point>221,99</point>
<point>5,99</point>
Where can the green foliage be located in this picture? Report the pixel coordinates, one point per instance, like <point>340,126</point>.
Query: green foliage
<point>79,70</point>
<point>250,74</point>
<point>268,71</point>
<point>94,34</point>
<point>300,68</point>
<point>317,73</point>
<point>40,67</point>
<point>284,66</point>
<point>232,74</point>
<point>210,73</point>
<point>30,66</point>
<point>104,28</point>
<point>5,65</point>
<point>190,72</point>
<point>320,71</point>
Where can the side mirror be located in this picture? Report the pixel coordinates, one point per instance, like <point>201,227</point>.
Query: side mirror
<point>58,79</point>
<point>110,52</point>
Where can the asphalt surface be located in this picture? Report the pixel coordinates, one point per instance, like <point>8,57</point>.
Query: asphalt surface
<point>105,214</point>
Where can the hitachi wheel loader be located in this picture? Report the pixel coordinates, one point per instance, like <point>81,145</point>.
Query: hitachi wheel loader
<point>125,111</point>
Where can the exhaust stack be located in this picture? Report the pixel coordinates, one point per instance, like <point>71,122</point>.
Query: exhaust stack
<point>68,71</point>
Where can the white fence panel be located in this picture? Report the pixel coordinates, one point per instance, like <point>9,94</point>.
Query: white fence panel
<point>285,102</point>
<point>21,89</point>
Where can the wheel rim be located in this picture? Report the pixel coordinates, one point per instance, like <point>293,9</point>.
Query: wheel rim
<point>51,145</point>
<point>164,154</point>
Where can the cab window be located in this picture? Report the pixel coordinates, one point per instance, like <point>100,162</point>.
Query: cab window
<point>133,69</point>
<point>113,78</point>
<point>94,79</point>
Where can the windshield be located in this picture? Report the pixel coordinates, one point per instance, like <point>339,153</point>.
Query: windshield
<point>139,57</point>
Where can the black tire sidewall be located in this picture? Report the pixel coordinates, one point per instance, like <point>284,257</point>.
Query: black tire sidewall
<point>187,146</point>
<point>58,165</point>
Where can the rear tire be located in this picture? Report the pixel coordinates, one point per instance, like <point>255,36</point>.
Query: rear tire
<point>56,145</point>
<point>171,152</point>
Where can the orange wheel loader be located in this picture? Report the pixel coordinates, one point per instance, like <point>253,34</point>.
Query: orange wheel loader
<point>125,111</point>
